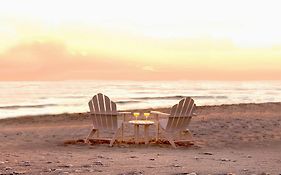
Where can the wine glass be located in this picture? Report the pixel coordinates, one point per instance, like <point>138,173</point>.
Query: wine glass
<point>146,114</point>
<point>136,114</point>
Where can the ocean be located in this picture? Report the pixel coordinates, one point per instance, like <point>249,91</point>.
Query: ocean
<point>55,97</point>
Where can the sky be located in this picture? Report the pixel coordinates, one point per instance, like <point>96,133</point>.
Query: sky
<point>140,40</point>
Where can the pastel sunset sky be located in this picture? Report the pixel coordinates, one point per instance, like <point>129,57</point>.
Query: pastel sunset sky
<point>140,40</point>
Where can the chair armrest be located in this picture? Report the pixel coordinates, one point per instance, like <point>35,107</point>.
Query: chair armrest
<point>107,113</point>
<point>159,113</point>
<point>124,112</point>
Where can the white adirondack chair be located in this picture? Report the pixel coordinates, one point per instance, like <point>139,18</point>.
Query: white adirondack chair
<point>104,115</point>
<point>177,121</point>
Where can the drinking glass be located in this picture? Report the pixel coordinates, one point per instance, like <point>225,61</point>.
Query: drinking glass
<point>136,114</point>
<point>146,114</point>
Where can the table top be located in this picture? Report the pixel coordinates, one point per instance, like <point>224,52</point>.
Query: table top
<point>142,122</point>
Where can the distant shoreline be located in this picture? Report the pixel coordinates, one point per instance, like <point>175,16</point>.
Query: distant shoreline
<point>150,109</point>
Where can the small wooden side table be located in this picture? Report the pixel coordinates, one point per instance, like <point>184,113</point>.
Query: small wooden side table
<point>146,124</point>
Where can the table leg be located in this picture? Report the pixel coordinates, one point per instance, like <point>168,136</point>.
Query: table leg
<point>157,131</point>
<point>146,129</point>
<point>122,134</point>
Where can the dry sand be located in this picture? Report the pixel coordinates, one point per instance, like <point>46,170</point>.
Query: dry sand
<point>238,139</point>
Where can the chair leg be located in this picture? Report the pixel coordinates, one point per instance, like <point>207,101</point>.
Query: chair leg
<point>98,134</point>
<point>157,131</point>
<point>170,139</point>
<point>122,132</point>
<point>189,133</point>
<point>90,135</point>
<point>114,137</point>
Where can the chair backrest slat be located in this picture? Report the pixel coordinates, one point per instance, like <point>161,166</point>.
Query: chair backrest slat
<point>190,107</point>
<point>103,112</point>
<point>107,104</point>
<point>178,114</point>
<point>171,119</point>
<point>174,110</point>
<point>108,111</point>
<point>179,108</point>
<point>96,112</point>
<point>101,103</point>
<point>185,102</point>
<point>91,106</point>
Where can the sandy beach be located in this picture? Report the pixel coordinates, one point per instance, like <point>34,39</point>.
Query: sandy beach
<point>237,139</point>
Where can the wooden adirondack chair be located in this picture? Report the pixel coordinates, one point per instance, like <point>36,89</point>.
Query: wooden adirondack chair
<point>177,121</point>
<point>104,115</point>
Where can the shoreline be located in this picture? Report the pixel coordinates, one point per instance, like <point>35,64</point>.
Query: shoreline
<point>162,109</point>
<point>238,138</point>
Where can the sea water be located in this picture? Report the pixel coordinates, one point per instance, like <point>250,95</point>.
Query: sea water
<point>54,97</point>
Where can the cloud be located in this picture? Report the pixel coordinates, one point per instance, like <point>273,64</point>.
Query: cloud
<point>54,61</point>
<point>44,61</point>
